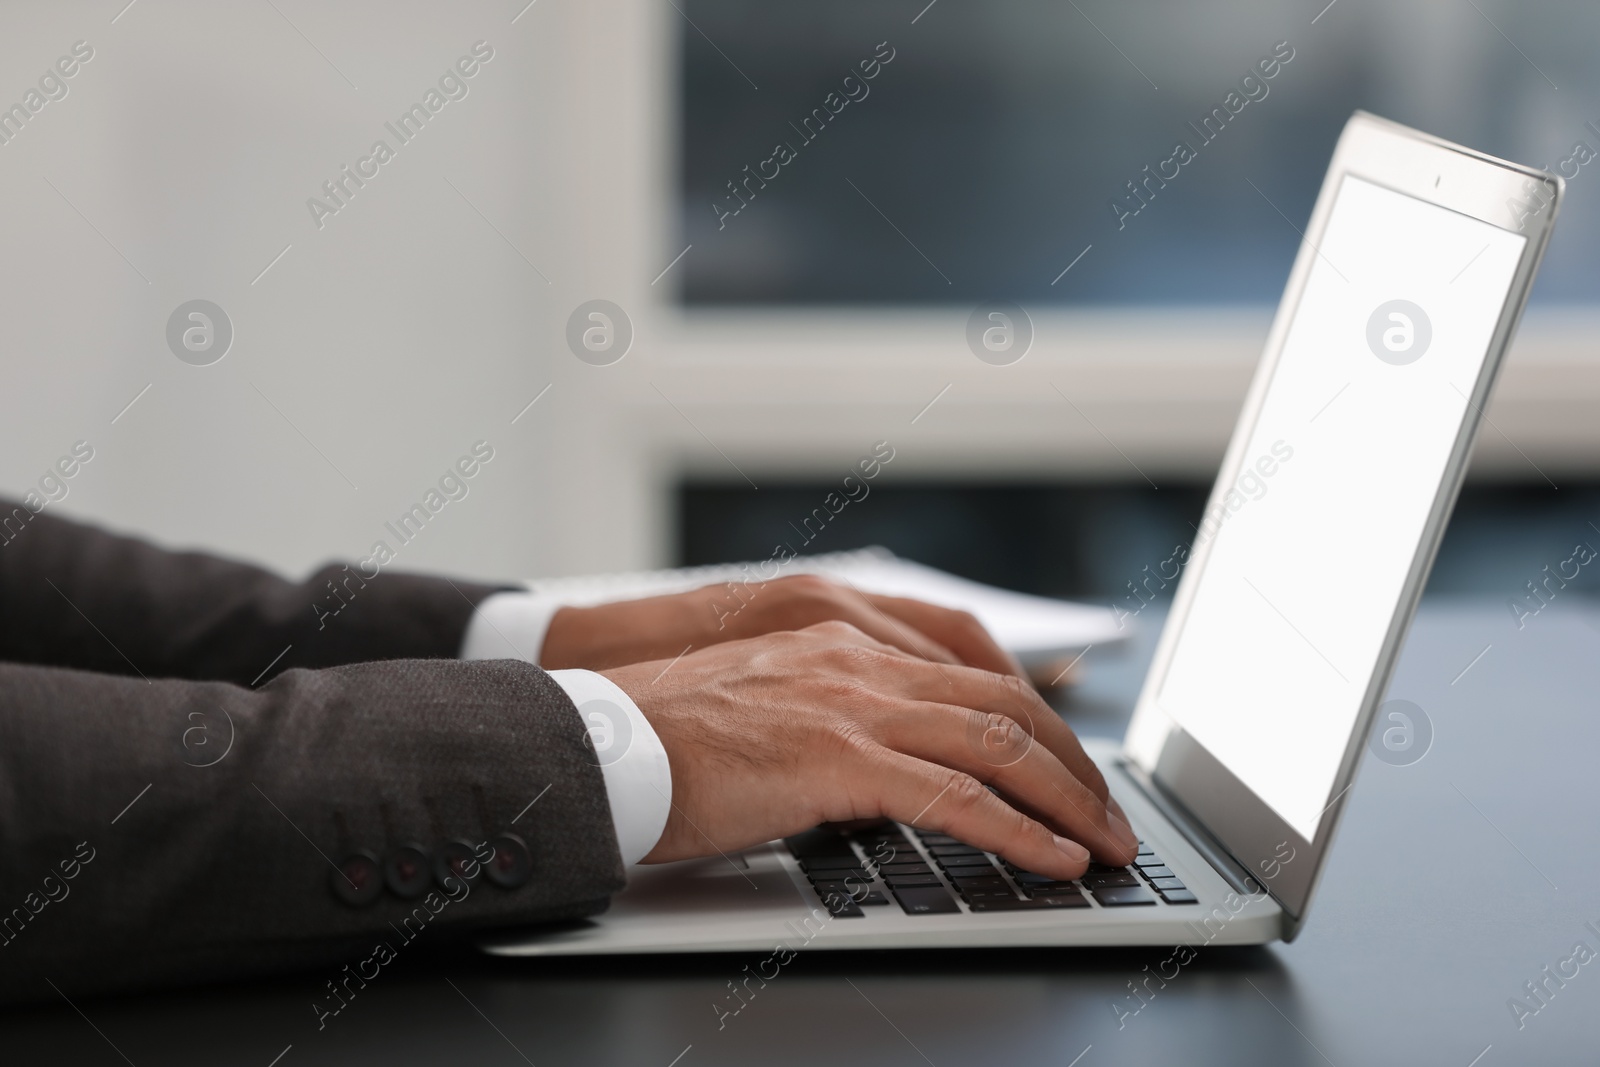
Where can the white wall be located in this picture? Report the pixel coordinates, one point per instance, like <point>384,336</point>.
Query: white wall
<point>408,326</point>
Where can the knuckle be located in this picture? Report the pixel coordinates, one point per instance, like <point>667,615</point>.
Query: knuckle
<point>998,739</point>
<point>968,622</point>
<point>860,659</point>
<point>843,692</point>
<point>1012,825</point>
<point>965,792</point>
<point>1008,729</point>
<point>1021,695</point>
<point>837,631</point>
<point>1025,827</point>
<point>806,586</point>
<point>850,737</point>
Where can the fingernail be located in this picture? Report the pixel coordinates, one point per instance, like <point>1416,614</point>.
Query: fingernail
<point>1072,850</point>
<point>1122,831</point>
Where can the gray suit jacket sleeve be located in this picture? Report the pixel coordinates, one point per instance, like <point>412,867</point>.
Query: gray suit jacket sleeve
<point>163,819</point>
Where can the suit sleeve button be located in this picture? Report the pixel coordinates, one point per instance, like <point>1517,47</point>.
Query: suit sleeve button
<point>358,880</point>
<point>512,864</point>
<point>456,862</point>
<point>407,871</point>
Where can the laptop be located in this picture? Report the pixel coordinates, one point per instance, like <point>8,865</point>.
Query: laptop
<point>1295,597</point>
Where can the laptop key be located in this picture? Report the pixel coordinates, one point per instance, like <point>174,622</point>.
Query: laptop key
<point>1179,896</point>
<point>900,881</point>
<point>1106,881</point>
<point>840,906</point>
<point>998,904</point>
<point>1164,884</point>
<point>926,901</point>
<point>882,852</point>
<point>887,830</point>
<point>818,842</point>
<point>838,878</point>
<point>1051,890</point>
<point>829,863</point>
<point>1156,872</point>
<point>872,899</point>
<point>1122,896</point>
<point>1073,899</point>
<point>1054,885</point>
<point>971,895</point>
<point>1013,904</point>
<point>980,883</point>
<point>904,868</point>
<point>856,890</point>
<point>1151,860</point>
<point>885,848</point>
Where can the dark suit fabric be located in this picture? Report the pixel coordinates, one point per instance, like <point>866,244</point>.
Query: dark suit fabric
<point>123,666</point>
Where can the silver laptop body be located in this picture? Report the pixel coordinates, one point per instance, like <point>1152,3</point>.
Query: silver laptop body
<point>1295,598</point>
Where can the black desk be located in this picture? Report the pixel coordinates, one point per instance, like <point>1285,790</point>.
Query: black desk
<point>1456,880</point>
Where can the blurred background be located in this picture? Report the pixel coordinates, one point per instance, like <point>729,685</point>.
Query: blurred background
<point>599,152</point>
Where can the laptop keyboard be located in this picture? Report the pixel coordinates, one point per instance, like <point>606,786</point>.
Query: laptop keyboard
<point>865,869</point>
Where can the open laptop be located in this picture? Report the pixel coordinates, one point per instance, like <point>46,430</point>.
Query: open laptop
<point>1297,593</point>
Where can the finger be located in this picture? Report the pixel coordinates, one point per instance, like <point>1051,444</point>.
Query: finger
<point>931,797</point>
<point>1005,756</point>
<point>838,634</point>
<point>881,627</point>
<point>1007,695</point>
<point>959,631</point>
<point>800,601</point>
<point>1116,809</point>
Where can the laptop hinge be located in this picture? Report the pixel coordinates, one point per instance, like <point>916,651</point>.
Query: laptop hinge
<point>1209,848</point>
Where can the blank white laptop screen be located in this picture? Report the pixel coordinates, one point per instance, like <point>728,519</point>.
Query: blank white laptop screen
<point>1309,555</point>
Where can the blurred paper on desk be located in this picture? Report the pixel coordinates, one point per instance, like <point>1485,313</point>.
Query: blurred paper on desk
<point>1037,630</point>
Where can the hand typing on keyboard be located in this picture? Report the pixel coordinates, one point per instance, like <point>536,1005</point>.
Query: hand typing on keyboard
<point>632,631</point>
<point>772,735</point>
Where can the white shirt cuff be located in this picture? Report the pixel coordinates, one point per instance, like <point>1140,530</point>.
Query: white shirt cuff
<point>510,625</point>
<point>633,763</point>
<point>632,760</point>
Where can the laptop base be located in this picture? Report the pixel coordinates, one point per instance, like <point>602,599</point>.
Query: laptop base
<point>760,899</point>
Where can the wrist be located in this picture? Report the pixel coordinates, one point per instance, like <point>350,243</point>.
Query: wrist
<point>569,640</point>
<point>604,636</point>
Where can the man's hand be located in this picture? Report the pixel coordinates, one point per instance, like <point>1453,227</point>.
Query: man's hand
<point>635,631</point>
<point>773,735</point>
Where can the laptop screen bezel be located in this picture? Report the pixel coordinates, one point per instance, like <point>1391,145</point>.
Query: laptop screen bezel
<point>1434,171</point>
